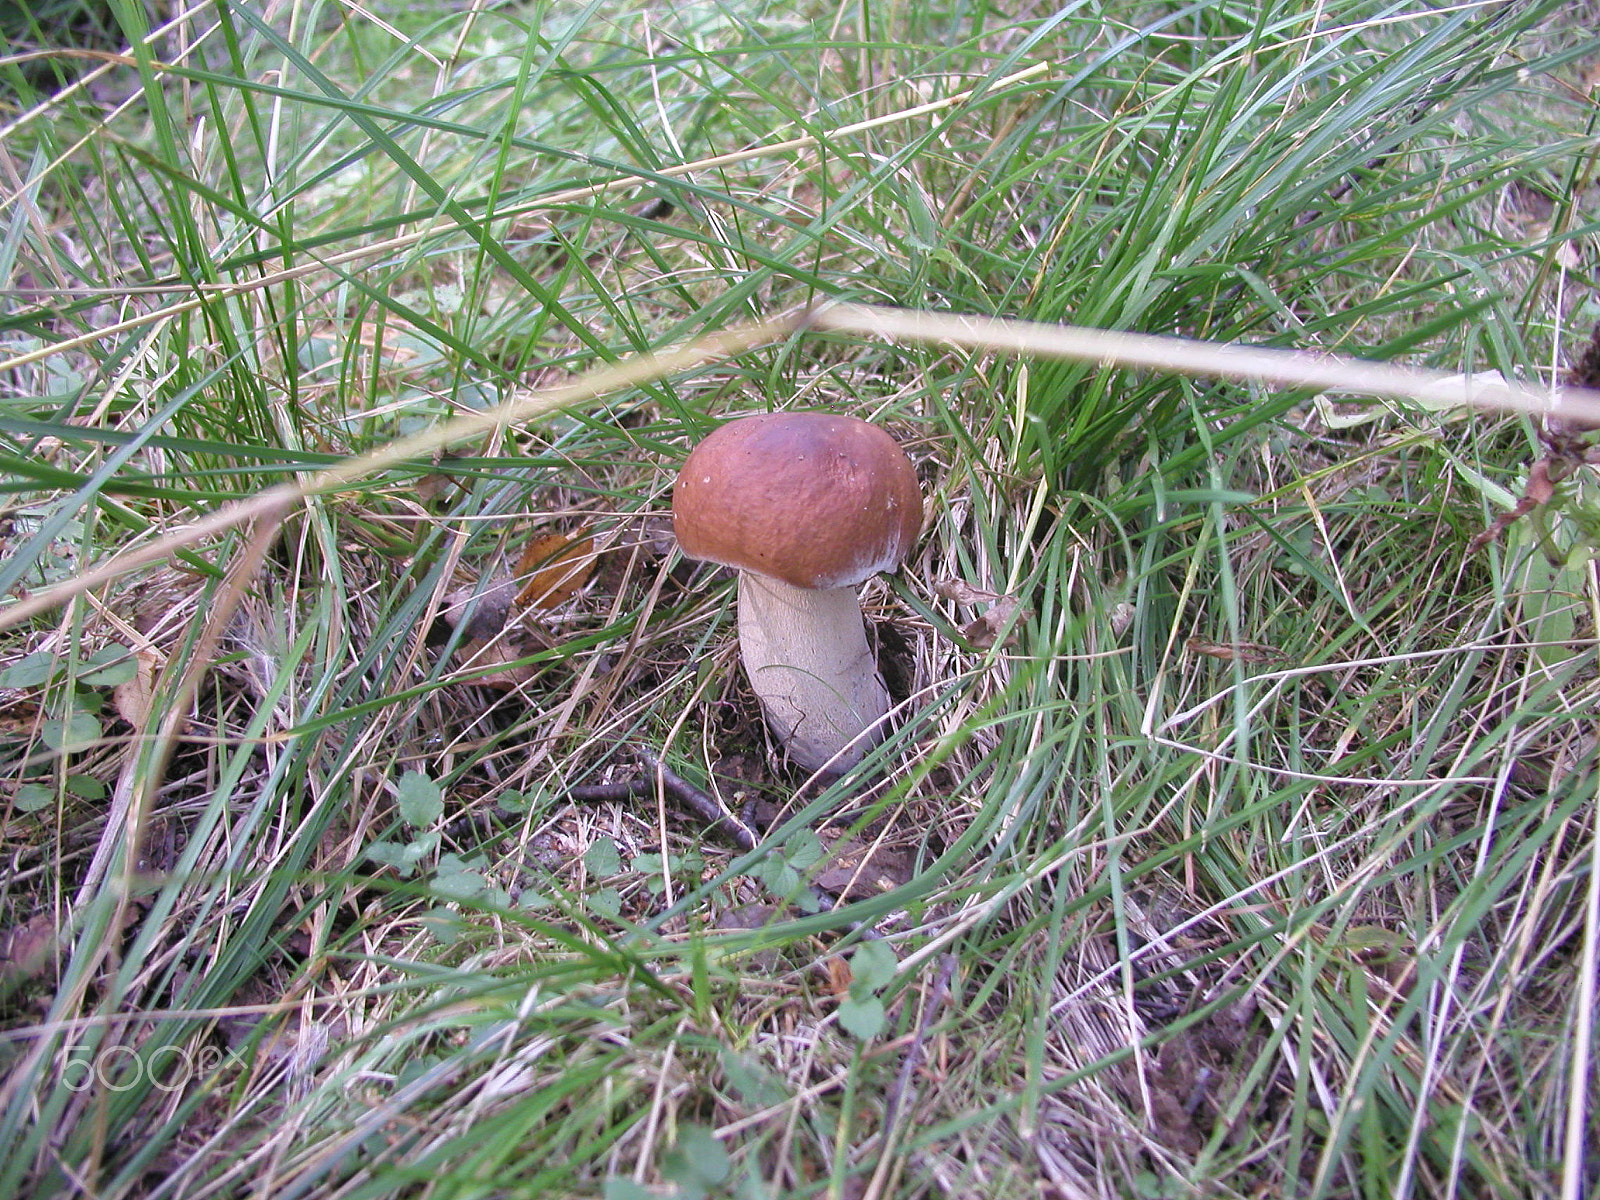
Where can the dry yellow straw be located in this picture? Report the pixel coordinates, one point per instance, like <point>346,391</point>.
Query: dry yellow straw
<point>1291,368</point>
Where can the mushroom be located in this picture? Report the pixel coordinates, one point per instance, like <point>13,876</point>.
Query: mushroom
<point>805,506</point>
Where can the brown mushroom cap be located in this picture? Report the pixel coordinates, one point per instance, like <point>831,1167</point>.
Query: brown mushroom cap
<point>812,499</point>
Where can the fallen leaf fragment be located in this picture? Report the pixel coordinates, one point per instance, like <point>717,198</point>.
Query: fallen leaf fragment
<point>484,609</point>
<point>748,916</point>
<point>19,719</point>
<point>498,660</point>
<point>490,648</point>
<point>1122,614</point>
<point>557,568</point>
<point>25,948</point>
<point>984,629</point>
<point>855,871</point>
<point>963,592</point>
<point>839,977</point>
<point>1250,652</point>
<point>435,485</point>
<point>133,697</point>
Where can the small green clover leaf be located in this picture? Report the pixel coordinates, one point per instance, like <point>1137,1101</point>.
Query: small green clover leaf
<point>421,801</point>
<point>602,858</point>
<point>872,967</point>
<point>863,1019</point>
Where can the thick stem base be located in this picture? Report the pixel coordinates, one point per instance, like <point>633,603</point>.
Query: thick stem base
<point>807,657</point>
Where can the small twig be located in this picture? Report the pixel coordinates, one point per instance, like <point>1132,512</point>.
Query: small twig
<point>611,793</point>
<point>680,789</point>
<point>704,806</point>
<point>697,801</point>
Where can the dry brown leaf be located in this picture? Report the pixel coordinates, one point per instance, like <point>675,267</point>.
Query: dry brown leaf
<point>1122,614</point>
<point>557,566</point>
<point>963,592</point>
<point>748,916</point>
<point>839,977</point>
<point>854,871</point>
<point>19,718</point>
<point>492,642</point>
<point>485,610</point>
<point>478,655</point>
<point>1250,652</point>
<point>132,699</point>
<point>25,948</point>
<point>435,485</point>
<point>984,629</point>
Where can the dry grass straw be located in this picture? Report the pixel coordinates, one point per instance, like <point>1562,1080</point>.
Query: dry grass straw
<point>1185,356</point>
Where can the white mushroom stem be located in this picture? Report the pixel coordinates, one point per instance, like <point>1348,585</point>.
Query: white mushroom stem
<point>805,651</point>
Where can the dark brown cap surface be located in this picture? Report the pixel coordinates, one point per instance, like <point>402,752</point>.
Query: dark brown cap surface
<point>813,499</point>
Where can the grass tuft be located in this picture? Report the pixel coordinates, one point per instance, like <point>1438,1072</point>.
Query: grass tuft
<point>361,720</point>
